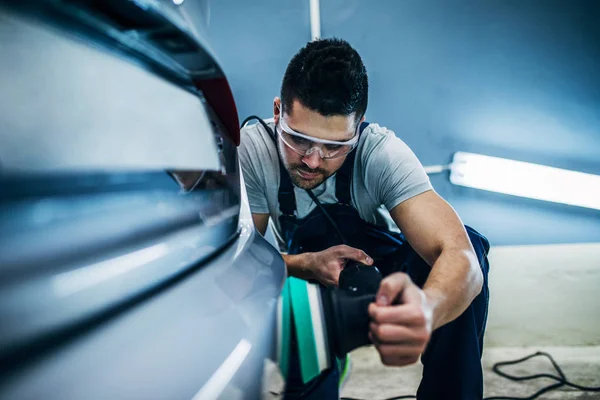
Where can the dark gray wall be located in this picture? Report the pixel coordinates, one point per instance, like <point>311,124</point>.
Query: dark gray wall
<point>514,79</point>
<point>254,41</point>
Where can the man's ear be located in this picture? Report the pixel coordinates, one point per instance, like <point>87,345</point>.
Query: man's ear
<point>276,109</point>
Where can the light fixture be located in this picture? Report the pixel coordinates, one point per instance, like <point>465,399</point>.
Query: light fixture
<point>524,179</point>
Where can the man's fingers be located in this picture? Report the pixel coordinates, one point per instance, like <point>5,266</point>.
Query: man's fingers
<point>392,288</point>
<point>334,276</point>
<point>335,280</point>
<point>331,279</point>
<point>398,334</point>
<point>329,282</point>
<point>393,355</point>
<point>352,253</point>
<point>403,314</point>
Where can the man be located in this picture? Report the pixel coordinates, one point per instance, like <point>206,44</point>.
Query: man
<point>317,130</point>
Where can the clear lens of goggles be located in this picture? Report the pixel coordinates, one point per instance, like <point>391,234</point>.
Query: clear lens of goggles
<point>306,145</point>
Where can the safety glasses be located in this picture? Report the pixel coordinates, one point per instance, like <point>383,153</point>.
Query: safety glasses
<point>306,145</point>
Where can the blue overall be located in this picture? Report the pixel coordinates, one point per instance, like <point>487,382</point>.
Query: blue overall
<point>452,360</point>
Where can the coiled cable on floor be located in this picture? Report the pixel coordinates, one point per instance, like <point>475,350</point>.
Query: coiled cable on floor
<point>561,380</point>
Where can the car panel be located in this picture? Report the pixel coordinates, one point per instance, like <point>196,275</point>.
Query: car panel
<point>127,269</point>
<point>170,345</point>
<point>104,109</point>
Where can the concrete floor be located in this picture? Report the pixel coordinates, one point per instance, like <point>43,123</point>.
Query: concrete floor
<point>370,380</point>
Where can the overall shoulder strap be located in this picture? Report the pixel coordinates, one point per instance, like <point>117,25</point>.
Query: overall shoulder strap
<point>285,195</point>
<point>343,178</point>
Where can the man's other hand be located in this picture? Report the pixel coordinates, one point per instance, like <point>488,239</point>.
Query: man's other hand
<point>326,265</point>
<point>401,320</point>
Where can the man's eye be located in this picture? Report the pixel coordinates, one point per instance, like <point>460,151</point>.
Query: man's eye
<point>299,140</point>
<point>333,147</point>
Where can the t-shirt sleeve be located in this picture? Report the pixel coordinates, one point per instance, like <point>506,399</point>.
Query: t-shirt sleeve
<point>250,157</point>
<point>394,172</point>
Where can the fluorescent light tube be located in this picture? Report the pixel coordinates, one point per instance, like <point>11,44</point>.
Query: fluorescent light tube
<point>524,179</point>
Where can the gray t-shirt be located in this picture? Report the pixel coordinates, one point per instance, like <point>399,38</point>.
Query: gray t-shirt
<point>386,173</point>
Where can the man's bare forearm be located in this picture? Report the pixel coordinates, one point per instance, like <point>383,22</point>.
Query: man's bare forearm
<point>298,265</point>
<point>454,281</point>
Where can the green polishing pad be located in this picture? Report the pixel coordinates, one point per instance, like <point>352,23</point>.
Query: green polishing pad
<point>310,327</point>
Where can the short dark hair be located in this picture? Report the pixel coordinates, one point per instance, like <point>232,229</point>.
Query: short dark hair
<point>329,77</point>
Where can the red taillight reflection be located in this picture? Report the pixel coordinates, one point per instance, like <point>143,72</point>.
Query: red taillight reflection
<point>218,94</point>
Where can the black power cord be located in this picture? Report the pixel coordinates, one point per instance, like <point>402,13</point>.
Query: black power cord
<point>331,221</point>
<point>561,380</point>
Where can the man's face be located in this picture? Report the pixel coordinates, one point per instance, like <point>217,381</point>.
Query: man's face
<point>308,172</point>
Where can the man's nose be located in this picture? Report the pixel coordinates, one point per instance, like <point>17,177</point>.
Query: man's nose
<point>312,160</point>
